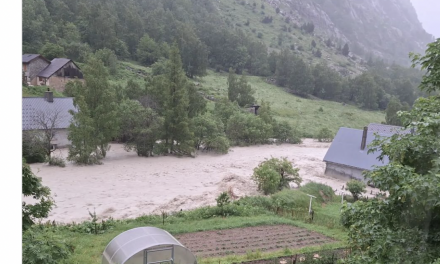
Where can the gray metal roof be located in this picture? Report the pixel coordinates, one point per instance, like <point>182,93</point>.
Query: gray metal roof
<point>129,247</point>
<point>346,150</point>
<point>35,109</point>
<point>53,67</point>
<point>387,129</point>
<point>26,58</point>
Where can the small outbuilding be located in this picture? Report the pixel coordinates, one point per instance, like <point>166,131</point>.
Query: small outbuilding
<point>146,245</point>
<point>348,157</point>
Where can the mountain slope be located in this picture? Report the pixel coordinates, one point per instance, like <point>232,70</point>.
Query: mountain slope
<point>384,29</point>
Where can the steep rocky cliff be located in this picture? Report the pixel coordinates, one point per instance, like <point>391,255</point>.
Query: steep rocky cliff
<point>387,29</point>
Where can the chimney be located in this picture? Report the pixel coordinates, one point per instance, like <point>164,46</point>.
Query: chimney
<point>48,96</point>
<point>364,138</point>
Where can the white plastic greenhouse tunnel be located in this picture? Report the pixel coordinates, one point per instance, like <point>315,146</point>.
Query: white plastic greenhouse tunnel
<point>146,245</point>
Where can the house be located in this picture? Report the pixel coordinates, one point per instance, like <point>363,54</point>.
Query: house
<point>58,73</point>
<point>48,114</point>
<point>347,157</point>
<point>32,65</point>
<point>55,74</point>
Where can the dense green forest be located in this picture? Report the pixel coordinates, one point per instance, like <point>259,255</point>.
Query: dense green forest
<point>144,30</point>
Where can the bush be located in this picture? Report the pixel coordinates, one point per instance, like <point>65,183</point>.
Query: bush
<point>289,200</point>
<point>57,161</point>
<point>33,150</point>
<point>275,174</point>
<point>325,135</point>
<point>322,192</point>
<point>356,188</point>
<point>41,245</point>
<point>284,133</point>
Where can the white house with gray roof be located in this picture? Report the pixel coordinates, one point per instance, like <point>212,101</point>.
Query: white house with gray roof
<point>348,157</point>
<point>39,114</point>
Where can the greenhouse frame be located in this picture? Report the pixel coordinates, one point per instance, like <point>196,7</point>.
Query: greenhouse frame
<point>146,245</point>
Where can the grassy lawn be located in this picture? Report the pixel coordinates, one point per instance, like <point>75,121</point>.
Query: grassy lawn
<point>302,113</point>
<point>38,91</point>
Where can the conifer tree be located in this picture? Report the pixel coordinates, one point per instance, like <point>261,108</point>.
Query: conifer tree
<point>178,136</point>
<point>95,122</point>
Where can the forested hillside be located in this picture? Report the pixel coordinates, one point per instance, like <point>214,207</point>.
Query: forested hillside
<point>254,38</point>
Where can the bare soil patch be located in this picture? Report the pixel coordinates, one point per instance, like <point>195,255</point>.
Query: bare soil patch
<point>238,241</point>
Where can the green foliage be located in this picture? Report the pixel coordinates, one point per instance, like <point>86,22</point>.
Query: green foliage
<point>291,200</point>
<point>33,148</point>
<point>133,90</point>
<point>140,127</point>
<point>239,90</point>
<point>209,133</point>
<point>38,91</point>
<point>391,116</point>
<point>148,51</point>
<point>325,135</point>
<point>247,129</point>
<point>404,226</point>
<point>275,174</point>
<point>322,192</point>
<point>57,161</point>
<point>222,199</point>
<point>224,109</point>
<point>96,122</point>
<point>431,63</point>
<point>356,188</point>
<point>42,245</point>
<point>284,133</point>
<point>31,186</point>
<point>51,51</point>
<point>109,58</point>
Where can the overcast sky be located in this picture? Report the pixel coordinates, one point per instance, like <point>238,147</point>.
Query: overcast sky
<point>428,12</point>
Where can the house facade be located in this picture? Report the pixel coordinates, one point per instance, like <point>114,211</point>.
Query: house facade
<point>32,65</point>
<point>55,74</point>
<point>48,114</point>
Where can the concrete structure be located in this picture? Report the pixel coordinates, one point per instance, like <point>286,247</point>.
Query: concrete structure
<point>48,114</point>
<point>55,74</point>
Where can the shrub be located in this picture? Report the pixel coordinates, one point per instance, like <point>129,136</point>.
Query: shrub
<point>284,133</point>
<point>275,174</point>
<point>322,192</point>
<point>33,150</point>
<point>57,161</point>
<point>356,188</point>
<point>222,201</point>
<point>291,200</point>
<point>325,135</point>
<point>41,245</point>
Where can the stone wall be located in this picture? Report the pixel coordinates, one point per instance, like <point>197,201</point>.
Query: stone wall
<point>34,68</point>
<point>58,80</point>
